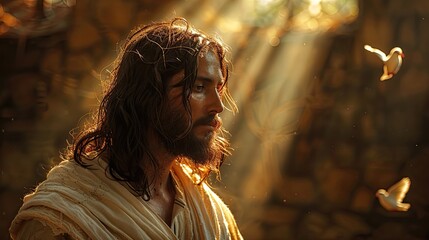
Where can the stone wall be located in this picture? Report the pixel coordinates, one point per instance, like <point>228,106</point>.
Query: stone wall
<point>359,134</point>
<point>356,134</point>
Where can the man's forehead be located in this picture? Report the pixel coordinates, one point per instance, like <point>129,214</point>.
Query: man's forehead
<point>210,66</point>
<point>208,69</point>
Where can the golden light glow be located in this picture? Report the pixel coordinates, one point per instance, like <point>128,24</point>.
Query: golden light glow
<point>277,49</point>
<point>314,7</point>
<point>323,15</point>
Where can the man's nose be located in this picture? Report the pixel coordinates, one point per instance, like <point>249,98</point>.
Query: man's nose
<point>216,103</point>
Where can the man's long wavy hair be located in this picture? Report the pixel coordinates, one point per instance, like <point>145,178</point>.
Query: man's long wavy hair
<point>136,96</point>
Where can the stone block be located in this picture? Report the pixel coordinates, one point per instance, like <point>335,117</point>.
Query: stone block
<point>363,199</point>
<point>380,174</point>
<point>354,224</point>
<point>338,185</point>
<point>294,190</point>
<point>278,215</point>
<point>313,225</point>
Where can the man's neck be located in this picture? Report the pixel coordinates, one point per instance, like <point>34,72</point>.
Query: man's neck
<point>162,180</point>
<point>162,190</point>
<point>161,177</point>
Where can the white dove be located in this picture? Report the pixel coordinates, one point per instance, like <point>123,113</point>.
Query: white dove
<point>391,199</point>
<point>392,62</point>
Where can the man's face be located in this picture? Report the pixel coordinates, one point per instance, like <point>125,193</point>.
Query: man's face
<point>205,102</point>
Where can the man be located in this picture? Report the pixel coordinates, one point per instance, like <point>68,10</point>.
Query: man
<point>139,171</point>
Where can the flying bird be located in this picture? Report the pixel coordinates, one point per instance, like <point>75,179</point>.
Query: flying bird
<point>392,62</point>
<point>391,200</point>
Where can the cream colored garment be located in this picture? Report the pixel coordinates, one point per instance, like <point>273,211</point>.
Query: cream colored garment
<point>85,204</point>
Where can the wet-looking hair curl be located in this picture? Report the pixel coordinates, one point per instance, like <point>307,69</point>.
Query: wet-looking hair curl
<point>136,93</point>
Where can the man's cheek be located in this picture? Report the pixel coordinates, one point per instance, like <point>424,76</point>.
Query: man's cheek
<point>198,96</point>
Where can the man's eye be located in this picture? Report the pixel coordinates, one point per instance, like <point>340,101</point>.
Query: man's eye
<point>199,88</point>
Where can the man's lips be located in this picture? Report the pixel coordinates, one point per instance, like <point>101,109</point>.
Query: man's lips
<point>216,123</point>
<point>213,122</point>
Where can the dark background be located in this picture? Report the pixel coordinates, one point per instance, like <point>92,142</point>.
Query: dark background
<point>317,133</point>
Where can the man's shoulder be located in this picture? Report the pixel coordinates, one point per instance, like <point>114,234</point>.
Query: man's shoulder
<point>74,168</point>
<point>209,190</point>
<point>221,206</point>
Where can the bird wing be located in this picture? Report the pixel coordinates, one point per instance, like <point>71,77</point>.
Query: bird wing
<point>378,52</point>
<point>399,189</point>
<point>393,63</point>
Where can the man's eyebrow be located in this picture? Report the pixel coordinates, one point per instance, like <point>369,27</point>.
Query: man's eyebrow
<point>209,80</point>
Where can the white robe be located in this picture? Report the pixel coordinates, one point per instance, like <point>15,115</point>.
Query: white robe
<point>86,204</point>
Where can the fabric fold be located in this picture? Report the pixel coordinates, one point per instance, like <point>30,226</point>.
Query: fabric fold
<point>94,206</point>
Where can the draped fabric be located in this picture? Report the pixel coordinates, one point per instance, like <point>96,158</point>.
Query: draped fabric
<point>86,204</point>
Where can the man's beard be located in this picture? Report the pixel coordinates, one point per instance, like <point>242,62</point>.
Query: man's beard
<point>200,151</point>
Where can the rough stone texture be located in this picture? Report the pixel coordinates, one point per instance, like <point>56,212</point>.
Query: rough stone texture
<point>296,191</point>
<point>356,134</point>
<point>338,185</point>
<point>353,224</point>
<point>362,200</point>
<point>372,128</point>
